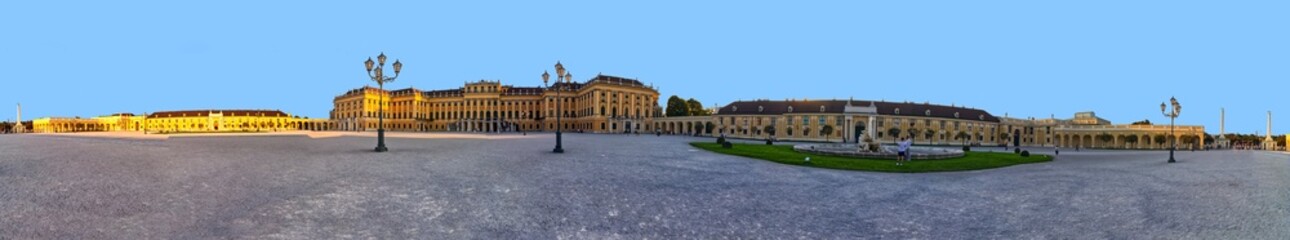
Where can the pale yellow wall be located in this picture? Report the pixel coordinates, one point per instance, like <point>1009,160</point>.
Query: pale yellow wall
<point>591,108</point>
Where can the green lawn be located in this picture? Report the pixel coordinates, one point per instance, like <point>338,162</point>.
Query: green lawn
<point>785,154</point>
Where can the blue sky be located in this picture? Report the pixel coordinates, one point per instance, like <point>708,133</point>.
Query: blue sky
<point>1022,58</point>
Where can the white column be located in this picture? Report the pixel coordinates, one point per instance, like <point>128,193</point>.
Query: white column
<point>1269,133</point>
<point>872,132</point>
<point>1222,121</point>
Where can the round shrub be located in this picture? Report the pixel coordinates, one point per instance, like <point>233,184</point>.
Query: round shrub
<point>727,145</point>
<point>1025,153</point>
<point>1016,150</point>
<point>967,149</point>
<point>721,140</point>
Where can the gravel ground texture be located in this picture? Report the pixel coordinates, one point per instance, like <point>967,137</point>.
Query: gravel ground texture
<point>608,187</point>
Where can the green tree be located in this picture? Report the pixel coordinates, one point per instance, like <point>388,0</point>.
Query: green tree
<point>708,127</point>
<point>1105,138</point>
<point>929,134</point>
<point>962,135</point>
<point>914,133</point>
<point>826,130</point>
<point>698,128</point>
<point>894,133</point>
<point>695,108</point>
<point>769,130</point>
<point>1189,139</point>
<point>1003,137</point>
<point>676,107</point>
<point>1131,140</point>
<point>1160,139</point>
<point>1143,122</point>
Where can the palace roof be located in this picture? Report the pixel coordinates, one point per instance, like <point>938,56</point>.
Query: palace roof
<point>768,107</point>
<point>615,80</point>
<point>230,113</point>
<point>523,91</point>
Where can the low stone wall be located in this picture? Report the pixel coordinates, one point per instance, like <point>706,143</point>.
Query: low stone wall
<point>886,152</point>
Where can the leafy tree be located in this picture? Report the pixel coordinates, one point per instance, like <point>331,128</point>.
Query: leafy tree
<point>1131,139</point>
<point>1160,139</point>
<point>1189,139</point>
<point>913,133</point>
<point>929,134</point>
<point>894,133</point>
<point>1143,122</point>
<point>698,128</point>
<point>695,108</point>
<point>676,107</point>
<point>826,130</point>
<point>963,136</point>
<point>1105,138</point>
<point>769,129</point>
<point>708,127</point>
<point>1003,136</point>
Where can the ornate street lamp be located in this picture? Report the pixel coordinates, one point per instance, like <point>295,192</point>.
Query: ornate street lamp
<point>1173,139</point>
<point>561,76</point>
<point>376,73</point>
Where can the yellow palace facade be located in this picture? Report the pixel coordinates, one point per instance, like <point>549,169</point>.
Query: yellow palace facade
<point>925,123</point>
<point>182,121</point>
<point>603,104</point>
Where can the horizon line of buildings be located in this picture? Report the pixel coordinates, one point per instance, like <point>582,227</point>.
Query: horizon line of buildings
<point>611,104</point>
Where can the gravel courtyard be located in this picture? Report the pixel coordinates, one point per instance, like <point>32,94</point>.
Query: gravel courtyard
<point>607,187</point>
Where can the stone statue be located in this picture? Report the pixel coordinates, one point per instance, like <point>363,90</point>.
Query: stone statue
<point>867,145</point>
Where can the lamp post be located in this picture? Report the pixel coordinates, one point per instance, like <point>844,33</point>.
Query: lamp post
<point>561,76</point>
<point>1173,139</point>
<point>377,74</point>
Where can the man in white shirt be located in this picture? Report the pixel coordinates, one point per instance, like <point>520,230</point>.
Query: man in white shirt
<point>903,150</point>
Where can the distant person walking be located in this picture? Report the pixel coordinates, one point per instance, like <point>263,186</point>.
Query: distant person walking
<point>902,151</point>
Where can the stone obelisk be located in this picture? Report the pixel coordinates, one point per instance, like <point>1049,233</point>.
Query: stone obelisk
<point>1268,143</point>
<point>19,128</point>
<point>1221,141</point>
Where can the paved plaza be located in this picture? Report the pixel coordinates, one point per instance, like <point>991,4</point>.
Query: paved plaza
<point>607,187</point>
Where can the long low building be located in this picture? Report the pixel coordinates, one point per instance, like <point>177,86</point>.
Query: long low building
<point>925,123</point>
<point>603,104</point>
<point>183,121</point>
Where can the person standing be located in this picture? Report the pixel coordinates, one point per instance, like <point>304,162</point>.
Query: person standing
<point>909,144</point>
<point>902,151</point>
